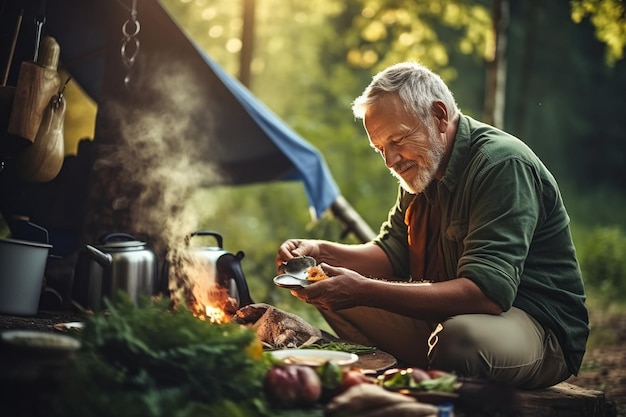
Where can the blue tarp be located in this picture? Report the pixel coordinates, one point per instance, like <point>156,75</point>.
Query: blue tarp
<point>308,164</point>
<point>260,147</point>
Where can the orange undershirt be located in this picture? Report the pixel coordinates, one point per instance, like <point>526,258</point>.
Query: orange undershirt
<point>423,219</point>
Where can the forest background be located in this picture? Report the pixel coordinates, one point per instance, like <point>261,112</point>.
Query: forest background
<point>560,87</point>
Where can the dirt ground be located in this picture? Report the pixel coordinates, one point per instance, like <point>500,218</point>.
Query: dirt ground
<point>604,364</point>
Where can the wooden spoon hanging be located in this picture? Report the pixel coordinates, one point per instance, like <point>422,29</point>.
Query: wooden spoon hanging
<point>42,161</point>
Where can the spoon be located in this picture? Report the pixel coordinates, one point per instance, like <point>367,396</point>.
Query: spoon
<point>290,281</point>
<point>295,272</point>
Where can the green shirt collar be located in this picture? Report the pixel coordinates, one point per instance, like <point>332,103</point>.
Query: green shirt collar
<point>460,154</point>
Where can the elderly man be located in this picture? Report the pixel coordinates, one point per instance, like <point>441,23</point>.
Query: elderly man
<point>475,270</point>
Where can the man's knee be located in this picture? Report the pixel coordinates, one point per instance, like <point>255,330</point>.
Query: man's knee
<point>457,348</point>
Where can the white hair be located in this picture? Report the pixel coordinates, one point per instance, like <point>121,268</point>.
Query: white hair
<point>417,86</point>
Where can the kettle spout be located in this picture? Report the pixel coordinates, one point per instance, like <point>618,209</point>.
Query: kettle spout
<point>104,259</point>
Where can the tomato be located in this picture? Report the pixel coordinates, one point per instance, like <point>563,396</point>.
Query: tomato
<point>354,377</point>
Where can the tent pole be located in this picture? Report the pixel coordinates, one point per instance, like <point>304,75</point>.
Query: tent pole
<point>349,217</point>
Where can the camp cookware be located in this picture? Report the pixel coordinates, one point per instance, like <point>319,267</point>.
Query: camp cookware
<point>226,266</point>
<point>294,272</point>
<point>38,81</point>
<point>42,160</point>
<point>118,263</point>
<point>22,267</point>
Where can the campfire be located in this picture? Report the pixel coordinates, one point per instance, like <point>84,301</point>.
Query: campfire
<point>211,304</point>
<point>196,283</point>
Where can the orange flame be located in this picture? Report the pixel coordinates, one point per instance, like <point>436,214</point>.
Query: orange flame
<point>216,315</point>
<point>212,306</point>
<point>207,300</point>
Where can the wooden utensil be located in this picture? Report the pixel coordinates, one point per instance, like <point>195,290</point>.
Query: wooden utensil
<point>36,84</point>
<point>42,161</point>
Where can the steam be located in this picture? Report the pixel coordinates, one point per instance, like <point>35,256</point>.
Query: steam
<point>160,159</point>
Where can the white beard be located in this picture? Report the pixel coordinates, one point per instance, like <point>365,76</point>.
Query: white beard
<point>418,182</point>
<point>425,174</point>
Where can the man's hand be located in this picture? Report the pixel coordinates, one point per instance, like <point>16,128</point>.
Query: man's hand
<point>296,247</point>
<point>343,289</point>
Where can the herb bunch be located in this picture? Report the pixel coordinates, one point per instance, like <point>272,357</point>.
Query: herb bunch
<point>150,360</point>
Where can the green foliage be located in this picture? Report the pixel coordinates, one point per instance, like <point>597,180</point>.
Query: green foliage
<point>600,207</point>
<point>609,19</point>
<point>151,360</point>
<point>603,261</point>
<point>391,31</point>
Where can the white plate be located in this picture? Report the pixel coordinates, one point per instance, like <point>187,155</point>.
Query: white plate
<point>314,357</point>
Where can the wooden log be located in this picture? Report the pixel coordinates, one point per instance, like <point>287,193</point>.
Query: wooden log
<point>563,400</point>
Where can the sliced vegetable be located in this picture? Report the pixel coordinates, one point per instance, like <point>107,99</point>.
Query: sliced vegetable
<point>418,379</point>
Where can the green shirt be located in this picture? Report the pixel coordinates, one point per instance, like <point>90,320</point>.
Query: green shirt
<point>504,226</point>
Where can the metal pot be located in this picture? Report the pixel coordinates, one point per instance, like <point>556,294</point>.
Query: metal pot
<point>227,266</point>
<point>22,267</point>
<point>118,263</point>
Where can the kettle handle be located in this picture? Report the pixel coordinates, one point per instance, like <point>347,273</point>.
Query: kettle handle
<point>216,235</point>
<point>232,263</point>
<point>107,237</point>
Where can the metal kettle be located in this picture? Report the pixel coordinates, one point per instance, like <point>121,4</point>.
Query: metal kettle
<point>226,266</point>
<point>118,263</point>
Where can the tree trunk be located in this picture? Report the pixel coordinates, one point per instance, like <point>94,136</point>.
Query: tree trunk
<point>528,59</point>
<point>496,68</point>
<point>247,43</point>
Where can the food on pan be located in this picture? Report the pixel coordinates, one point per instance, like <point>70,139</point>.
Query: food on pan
<point>315,273</point>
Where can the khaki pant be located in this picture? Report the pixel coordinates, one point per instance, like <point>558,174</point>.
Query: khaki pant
<point>511,347</point>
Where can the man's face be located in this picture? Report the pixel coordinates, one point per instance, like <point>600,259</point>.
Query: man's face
<point>412,150</point>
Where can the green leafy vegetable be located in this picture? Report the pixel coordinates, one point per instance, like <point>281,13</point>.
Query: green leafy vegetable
<point>330,374</point>
<point>417,380</point>
<point>446,383</point>
<point>342,347</point>
<point>400,379</point>
<point>150,360</point>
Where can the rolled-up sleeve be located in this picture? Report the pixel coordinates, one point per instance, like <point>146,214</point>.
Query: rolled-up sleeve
<point>506,208</point>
